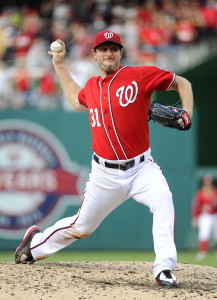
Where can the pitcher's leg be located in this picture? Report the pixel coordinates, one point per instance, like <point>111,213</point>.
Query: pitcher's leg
<point>151,189</point>
<point>53,239</point>
<point>163,233</point>
<point>98,202</point>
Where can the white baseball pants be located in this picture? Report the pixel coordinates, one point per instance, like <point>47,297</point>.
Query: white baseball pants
<point>105,190</point>
<point>206,224</point>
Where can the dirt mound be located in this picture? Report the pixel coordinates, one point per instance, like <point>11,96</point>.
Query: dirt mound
<point>102,280</point>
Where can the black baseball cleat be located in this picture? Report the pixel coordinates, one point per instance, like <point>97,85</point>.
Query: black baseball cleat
<point>23,254</point>
<point>166,278</point>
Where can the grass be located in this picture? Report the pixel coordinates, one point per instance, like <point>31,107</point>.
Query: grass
<point>186,257</point>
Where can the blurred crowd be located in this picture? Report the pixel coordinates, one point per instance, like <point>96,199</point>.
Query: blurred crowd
<point>150,30</point>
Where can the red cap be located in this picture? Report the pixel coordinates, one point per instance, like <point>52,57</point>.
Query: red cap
<point>107,36</point>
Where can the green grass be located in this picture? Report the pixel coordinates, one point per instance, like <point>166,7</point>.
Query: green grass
<point>187,257</point>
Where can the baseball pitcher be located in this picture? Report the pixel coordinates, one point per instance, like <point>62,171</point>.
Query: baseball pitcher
<point>118,101</point>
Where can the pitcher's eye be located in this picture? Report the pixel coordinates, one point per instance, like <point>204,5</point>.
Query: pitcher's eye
<point>114,49</point>
<point>105,49</point>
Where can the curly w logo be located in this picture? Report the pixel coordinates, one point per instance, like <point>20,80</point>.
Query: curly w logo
<point>127,94</point>
<point>108,35</point>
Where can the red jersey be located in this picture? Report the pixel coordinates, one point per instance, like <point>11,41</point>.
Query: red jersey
<point>118,109</point>
<point>204,203</point>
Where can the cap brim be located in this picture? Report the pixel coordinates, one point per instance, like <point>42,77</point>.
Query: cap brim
<point>108,42</point>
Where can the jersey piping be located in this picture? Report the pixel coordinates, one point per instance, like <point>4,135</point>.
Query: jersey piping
<point>112,113</point>
<point>174,76</point>
<point>104,122</point>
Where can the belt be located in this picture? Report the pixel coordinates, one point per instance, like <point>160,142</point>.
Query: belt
<point>122,166</point>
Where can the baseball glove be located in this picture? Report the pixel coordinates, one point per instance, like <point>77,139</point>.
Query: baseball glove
<point>168,116</point>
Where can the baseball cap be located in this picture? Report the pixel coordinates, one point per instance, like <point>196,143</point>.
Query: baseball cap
<point>107,36</point>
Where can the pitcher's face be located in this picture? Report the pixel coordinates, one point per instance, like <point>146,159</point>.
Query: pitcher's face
<point>108,56</point>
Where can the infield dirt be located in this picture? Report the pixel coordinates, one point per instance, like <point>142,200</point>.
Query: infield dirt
<point>102,280</point>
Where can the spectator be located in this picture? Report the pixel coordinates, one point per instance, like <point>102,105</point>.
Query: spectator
<point>22,84</point>
<point>47,90</point>
<point>36,56</point>
<point>209,13</point>
<point>5,88</point>
<point>185,31</point>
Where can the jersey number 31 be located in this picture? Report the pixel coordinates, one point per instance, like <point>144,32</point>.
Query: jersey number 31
<point>95,117</point>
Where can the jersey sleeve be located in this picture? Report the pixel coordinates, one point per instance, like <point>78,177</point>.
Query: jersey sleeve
<point>82,98</point>
<point>156,79</point>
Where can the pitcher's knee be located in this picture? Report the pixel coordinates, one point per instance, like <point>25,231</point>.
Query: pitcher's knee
<point>75,233</point>
<point>162,195</point>
<point>161,200</point>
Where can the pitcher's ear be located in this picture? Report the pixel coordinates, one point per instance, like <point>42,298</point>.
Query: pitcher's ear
<point>93,53</point>
<point>121,52</point>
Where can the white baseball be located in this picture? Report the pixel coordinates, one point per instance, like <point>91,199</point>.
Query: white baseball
<point>56,47</point>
